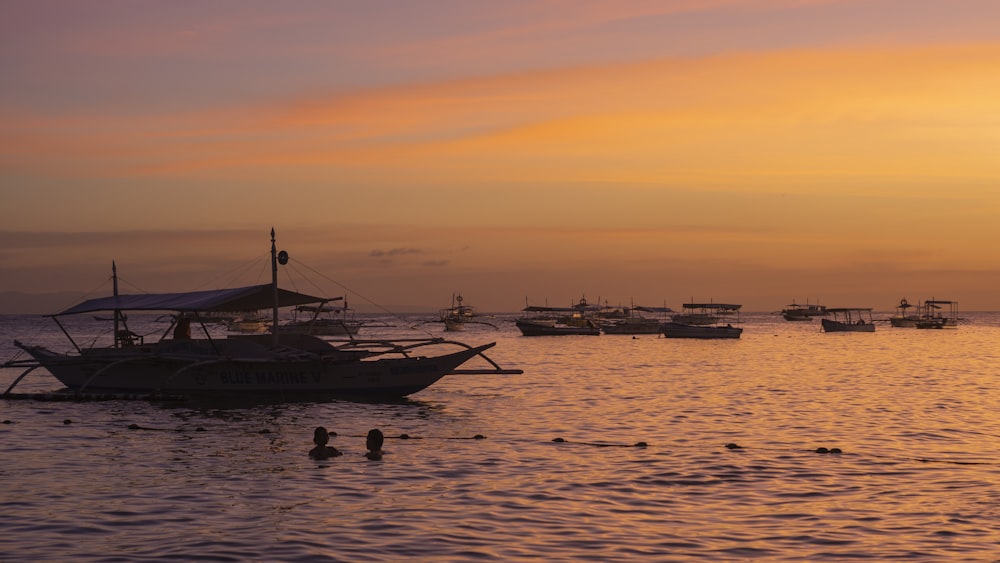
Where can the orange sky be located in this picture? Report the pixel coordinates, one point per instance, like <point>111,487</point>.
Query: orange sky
<point>752,152</point>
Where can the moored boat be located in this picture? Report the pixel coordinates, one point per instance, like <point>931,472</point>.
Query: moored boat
<point>934,315</point>
<point>799,312</point>
<point>902,318</point>
<point>273,365</point>
<point>456,317</point>
<point>849,319</point>
<point>634,322</point>
<point>559,321</point>
<point>713,321</point>
<point>543,327</point>
<point>322,320</point>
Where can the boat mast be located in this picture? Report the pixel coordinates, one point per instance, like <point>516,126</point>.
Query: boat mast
<point>274,287</point>
<point>114,279</point>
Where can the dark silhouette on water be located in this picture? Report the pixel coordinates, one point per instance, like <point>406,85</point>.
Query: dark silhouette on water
<point>323,451</point>
<point>374,444</point>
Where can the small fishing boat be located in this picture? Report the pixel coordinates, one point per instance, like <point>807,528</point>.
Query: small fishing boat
<point>903,318</point>
<point>849,319</point>
<point>934,316</point>
<point>543,327</point>
<point>456,317</point>
<point>712,321</point>
<point>634,322</point>
<point>276,365</point>
<point>705,314</point>
<point>559,321</point>
<point>799,312</point>
<point>322,320</point>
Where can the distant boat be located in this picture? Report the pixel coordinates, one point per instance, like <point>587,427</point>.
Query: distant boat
<point>634,322</point>
<point>797,312</point>
<point>933,316</point>
<point>324,320</point>
<point>903,318</point>
<point>711,321</point>
<point>849,319</point>
<point>249,322</point>
<point>458,315</point>
<point>577,320</point>
<point>544,327</point>
<point>929,314</point>
<point>705,314</point>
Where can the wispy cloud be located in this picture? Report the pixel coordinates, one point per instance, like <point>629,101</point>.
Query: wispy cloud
<point>377,253</point>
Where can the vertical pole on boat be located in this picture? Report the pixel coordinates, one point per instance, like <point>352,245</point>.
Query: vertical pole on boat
<point>274,287</point>
<point>114,279</point>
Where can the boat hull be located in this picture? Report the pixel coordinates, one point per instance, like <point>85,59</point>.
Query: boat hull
<point>680,330</point>
<point>629,327</point>
<point>531,328</point>
<point>142,370</point>
<point>838,326</point>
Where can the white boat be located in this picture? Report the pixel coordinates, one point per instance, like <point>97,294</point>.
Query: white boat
<point>711,321</point>
<point>849,319</point>
<point>268,365</point>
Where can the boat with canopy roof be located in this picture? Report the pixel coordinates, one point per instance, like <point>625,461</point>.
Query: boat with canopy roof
<point>276,365</point>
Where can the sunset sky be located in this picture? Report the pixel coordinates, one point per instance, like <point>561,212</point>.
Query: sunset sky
<point>748,151</point>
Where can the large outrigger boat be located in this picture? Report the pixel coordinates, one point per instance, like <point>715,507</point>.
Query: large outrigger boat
<point>275,365</point>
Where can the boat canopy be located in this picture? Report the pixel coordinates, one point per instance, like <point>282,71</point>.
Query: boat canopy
<point>719,306</point>
<point>248,298</point>
<point>321,308</point>
<point>653,309</point>
<point>573,309</point>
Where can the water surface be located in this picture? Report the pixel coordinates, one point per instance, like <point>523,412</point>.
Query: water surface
<point>913,411</point>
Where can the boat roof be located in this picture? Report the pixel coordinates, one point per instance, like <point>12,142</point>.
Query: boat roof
<point>247,298</point>
<point>573,309</point>
<point>653,309</point>
<point>321,308</point>
<point>720,306</point>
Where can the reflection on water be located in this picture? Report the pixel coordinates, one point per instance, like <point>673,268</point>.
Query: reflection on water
<point>915,413</point>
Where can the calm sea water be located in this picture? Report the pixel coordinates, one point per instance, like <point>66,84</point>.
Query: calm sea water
<point>916,413</point>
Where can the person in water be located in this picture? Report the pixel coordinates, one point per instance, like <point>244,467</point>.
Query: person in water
<point>323,451</point>
<point>374,444</point>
